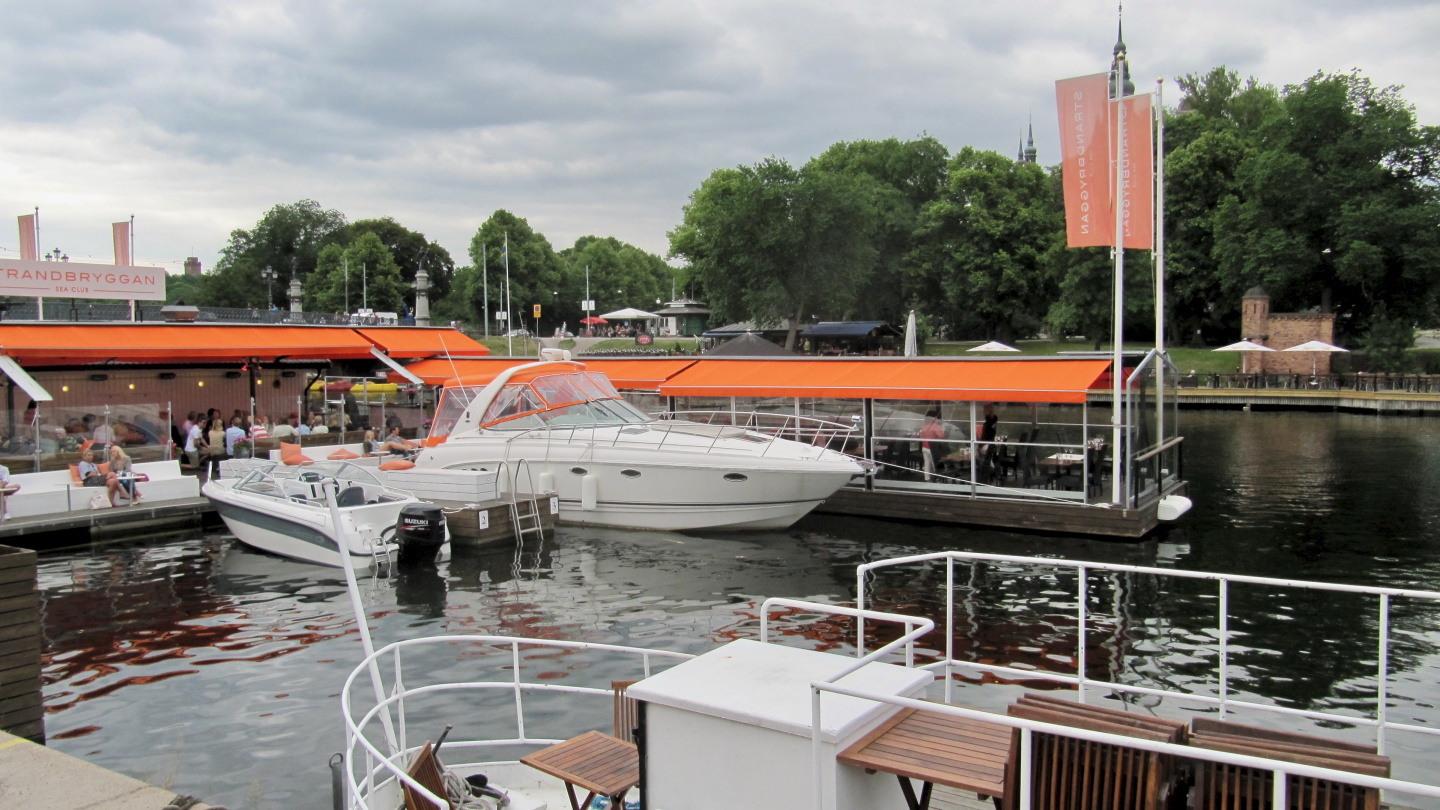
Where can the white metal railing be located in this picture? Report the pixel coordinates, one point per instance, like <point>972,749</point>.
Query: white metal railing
<point>806,429</point>
<point>590,435</point>
<point>1223,701</point>
<point>383,769</point>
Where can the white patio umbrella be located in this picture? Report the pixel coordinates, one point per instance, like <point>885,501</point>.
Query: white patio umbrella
<point>993,346</point>
<point>1245,346</point>
<point>629,314</point>
<point>1317,346</point>
<point>912,349</point>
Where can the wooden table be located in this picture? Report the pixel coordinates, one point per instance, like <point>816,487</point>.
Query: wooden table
<point>937,749</point>
<point>601,764</point>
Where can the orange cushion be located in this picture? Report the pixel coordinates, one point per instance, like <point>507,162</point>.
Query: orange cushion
<point>397,464</point>
<point>296,461</point>
<point>288,449</point>
<point>342,455</point>
<point>75,473</point>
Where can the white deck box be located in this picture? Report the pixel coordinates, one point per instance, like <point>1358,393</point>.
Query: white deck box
<point>731,728</point>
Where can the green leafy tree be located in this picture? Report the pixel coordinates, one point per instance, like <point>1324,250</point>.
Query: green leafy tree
<point>364,273</point>
<point>1338,207</point>
<point>621,275</point>
<point>180,287</point>
<point>410,250</point>
<point>770,242</point>
<point>535,272</point>
<point>984,242</point>
<point>911,175</point>
<point>287,239</point>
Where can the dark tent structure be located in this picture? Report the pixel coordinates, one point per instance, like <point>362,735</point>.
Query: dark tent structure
<point>748,344</point>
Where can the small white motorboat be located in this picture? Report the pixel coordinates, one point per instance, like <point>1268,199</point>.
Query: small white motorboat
<point>614,465</point>
<point>284,510</point>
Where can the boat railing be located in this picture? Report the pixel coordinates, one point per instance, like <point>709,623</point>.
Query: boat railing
<point>1222,700</point>
<point>818,433</point>
<point>369,770</point>
<point>1281,770</point>
<point>806,429</point>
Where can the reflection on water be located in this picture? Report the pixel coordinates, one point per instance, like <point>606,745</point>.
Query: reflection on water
<point>204,665</point>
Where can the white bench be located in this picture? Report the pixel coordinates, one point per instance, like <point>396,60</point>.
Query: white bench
<point>47,493</point>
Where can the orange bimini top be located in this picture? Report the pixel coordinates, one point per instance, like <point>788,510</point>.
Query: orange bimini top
<point>39,344</point>
<point>1040,380</point>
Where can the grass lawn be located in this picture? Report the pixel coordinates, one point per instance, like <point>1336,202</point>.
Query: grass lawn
<point>523,347</point>
<point>1203,361</point>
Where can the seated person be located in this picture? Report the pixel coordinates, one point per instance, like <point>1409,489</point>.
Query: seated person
<point>89,471</point>
<point>392,444</point>
<point>122,476</point>
<point>7,488</point>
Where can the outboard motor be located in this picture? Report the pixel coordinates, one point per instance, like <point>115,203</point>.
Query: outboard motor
<point>420,533</point>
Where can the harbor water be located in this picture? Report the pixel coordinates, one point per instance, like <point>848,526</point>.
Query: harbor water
<point>213,670</point>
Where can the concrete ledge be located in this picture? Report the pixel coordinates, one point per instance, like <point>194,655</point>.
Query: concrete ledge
<point>33,777</point>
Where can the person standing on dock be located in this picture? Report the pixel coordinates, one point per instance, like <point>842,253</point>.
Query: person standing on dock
<point>194,442</point>
<point>932,429</point>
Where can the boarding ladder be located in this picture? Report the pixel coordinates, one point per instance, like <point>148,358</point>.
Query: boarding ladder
<point>524,511</point>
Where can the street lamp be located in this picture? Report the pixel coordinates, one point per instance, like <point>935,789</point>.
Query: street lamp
<point>269,275</point>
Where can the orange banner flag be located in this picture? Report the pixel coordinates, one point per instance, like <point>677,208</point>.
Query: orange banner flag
<point>1138,175</point>
<point>1087,149</point>
<point>27,238</point>
<point>120,232</point>
<point>1085,159</point>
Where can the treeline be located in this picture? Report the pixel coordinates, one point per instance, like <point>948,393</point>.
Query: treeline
<point>372,263</point>
<point>1323,193</point>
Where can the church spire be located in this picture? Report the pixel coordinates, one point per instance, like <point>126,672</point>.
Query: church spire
<point>1120,59</point>
<point>1030,142</point>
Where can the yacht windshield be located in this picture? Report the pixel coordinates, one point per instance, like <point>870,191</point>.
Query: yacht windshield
<point>452,403</point>
<point>574,400</point>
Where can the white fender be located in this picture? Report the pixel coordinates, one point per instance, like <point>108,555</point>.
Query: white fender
<point>589,492</point>
<point>546,483</point>
<point>1171,507</point>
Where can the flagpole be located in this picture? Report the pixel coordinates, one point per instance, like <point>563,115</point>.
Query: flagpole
<point>131,257</point>
<point>39,299</point>
<point>347,288</point>
<point>1160,259</point>
<point>509,341</point>
<point>1118,335</point>
<point>485,280</point>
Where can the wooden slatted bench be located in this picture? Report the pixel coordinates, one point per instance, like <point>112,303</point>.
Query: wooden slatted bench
<point>937,749</point>
<point>1225,786</point>
<point>1072,774</point>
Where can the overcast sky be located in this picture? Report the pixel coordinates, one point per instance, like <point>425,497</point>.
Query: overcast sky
<point>582,117</point>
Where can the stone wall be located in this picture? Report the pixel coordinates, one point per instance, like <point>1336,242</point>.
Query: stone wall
<point>1292,329</point>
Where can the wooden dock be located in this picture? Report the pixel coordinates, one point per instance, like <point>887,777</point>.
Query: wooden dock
<point>1000,513</point>
<point>21,712</point>
<point>73,528</point>
<point>490,522</point>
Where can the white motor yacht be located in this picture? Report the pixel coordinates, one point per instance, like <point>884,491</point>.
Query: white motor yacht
<point>284,510</point>
<point>614,465</point>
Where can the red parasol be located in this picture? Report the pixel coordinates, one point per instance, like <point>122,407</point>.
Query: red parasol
<point>594,320</point>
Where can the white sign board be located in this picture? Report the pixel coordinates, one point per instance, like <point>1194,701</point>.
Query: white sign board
<point>30,279</point>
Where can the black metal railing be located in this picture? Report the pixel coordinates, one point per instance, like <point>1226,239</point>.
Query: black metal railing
<point>151,312</point>
<point>1359,381</point>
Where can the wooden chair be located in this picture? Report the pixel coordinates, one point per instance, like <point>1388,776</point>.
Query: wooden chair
<point>627,711</point>
<point>425,769</point>
<point>1226,787</point>
<point>1071,774</point>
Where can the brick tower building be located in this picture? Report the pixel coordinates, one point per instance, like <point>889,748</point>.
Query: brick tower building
<point>1281,330</point>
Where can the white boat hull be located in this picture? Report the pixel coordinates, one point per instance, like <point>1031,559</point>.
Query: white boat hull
<point>667,489</point>
<point>307,535</point>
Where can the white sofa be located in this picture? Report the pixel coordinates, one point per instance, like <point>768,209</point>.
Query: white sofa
<point>47,493</point>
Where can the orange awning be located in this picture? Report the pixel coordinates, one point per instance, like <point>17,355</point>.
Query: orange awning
<point>405,342</point>
<point>172,344</point>
<point>639,374</point>
<point>996,380</point>
<point>627,374</point>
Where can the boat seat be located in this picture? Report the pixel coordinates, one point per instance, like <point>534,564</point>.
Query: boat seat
<point>351,496</point>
